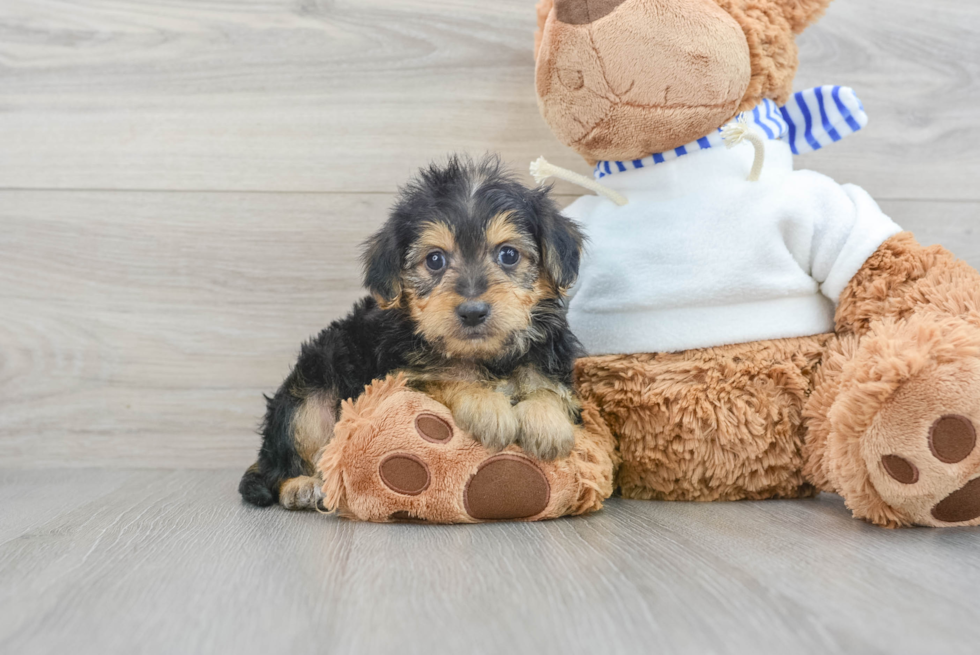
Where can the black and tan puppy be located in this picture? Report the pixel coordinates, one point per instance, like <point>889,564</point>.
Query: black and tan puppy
<point>467,280</point>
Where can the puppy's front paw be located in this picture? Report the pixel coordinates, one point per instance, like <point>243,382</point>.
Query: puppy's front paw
<point>488,416</point>
<point>545,429</point>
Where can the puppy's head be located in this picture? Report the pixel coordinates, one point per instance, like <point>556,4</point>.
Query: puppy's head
<point>473,257</point>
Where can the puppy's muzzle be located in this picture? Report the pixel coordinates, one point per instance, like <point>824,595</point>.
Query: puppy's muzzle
<point>473,313</point>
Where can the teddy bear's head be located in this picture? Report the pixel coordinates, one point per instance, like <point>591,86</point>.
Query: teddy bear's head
<point>621,79</point>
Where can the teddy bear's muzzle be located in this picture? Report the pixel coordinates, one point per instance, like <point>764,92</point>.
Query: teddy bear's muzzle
<point>607,103</point>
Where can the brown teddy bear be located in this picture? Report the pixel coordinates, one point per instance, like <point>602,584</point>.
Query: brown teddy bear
<point>752,338</point>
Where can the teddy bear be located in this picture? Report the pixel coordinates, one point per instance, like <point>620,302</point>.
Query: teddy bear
<point>753,331</point>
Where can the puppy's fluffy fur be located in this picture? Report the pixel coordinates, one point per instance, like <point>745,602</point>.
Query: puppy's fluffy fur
<point>467,280</point>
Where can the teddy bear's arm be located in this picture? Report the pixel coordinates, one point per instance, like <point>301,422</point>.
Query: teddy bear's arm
<point>901,277</point>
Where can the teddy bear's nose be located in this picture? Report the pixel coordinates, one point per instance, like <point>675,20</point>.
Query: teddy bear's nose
<point>582,12</point>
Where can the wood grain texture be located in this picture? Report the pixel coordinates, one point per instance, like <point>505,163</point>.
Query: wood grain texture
<point>183,186</point>
<point>140,329</point>
<point>351,95</point>
<point>172,562</point>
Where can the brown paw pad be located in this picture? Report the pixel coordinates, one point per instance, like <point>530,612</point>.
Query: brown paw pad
<point>952,438</point>
<point>405,517</point>
<point>433,429</point>
<point>506,487</point>
<point>960,506</point>
<point>900,469</point>
<point>405,474</point>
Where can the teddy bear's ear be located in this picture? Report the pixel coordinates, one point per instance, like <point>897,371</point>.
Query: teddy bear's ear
<point>544,8</point>
<point>801,13</point>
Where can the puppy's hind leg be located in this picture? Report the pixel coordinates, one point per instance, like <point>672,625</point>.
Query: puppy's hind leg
<point>303,492</point>
<point>254,489</point>
<point>312,429</point>
<point>294,431</point>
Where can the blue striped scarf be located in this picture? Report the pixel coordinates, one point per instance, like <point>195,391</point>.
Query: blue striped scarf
<point>811,120</point>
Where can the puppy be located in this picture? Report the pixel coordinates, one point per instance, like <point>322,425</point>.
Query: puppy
<point>467,279</point>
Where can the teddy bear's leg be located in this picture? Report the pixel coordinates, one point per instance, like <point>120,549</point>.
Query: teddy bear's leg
<point>720,423</point>
<point>893,418</point>
<point>892,422</point>
<point>398,455</point>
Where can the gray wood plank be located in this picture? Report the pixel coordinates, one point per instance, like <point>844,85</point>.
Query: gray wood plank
<point>172,562</point>
<point>140,329</point>
<point>352,95</point>
<point>32,499</point>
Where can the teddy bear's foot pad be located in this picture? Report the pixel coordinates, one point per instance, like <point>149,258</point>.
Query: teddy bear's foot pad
<point>952,444</point>
<point>952,439</point>
<point>398,456</point>
<point>960,506</point>
<point>903,448</point>
<point>405,474</point>
<point>506,487</point>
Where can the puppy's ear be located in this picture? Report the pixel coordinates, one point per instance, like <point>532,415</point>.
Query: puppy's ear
<point>560,240</point>
<point>383,267</point>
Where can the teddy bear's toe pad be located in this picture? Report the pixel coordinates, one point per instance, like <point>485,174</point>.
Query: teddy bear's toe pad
<point>960,506</point>
<point>935,470</point>
<point>506,487</point>
<point>405,517</point>
<point>952,439</point>
<point>900,469</point>
<point>404,474</point>
<point>433,429</point>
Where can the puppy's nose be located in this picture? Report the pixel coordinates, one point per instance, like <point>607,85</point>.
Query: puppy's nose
<point>473,313</point>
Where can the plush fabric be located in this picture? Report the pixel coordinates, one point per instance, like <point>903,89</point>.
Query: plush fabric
<point>901,277</point>
<point>785,418</point>
<point>605,101</point>
<point>710,59</point>
<point>879,396</point>
<point>907,352</point>
<point>814,119</point>
<point>715,424</point>
<point>700,257</point>
<point>882,408</point>
<point>801,13</point>
<point>384,464</point>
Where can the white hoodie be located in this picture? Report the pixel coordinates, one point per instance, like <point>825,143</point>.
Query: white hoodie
<point>701,257</point>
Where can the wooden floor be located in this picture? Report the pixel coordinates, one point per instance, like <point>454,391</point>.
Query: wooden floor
<point>153,561</point>
<point>183,185</point>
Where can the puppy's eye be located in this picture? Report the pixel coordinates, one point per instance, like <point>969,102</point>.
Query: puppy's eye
<point>435,261</point>
<point>508,256</point>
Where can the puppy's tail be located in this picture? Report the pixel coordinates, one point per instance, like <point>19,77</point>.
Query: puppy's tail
<point>255,489</point>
